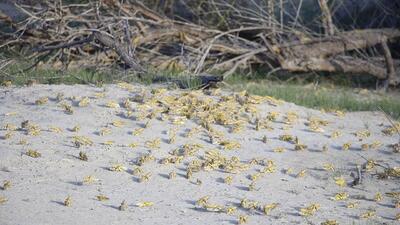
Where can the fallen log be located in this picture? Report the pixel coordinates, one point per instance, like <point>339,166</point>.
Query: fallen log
<point>328,54</point>
<point>348,64</point>
<point>338,44</point>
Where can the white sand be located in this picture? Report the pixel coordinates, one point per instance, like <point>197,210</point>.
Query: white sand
<point>40,185</point>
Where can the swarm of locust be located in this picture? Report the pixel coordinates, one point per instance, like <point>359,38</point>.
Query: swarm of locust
<point>214,160</point>
<point>228,111</point>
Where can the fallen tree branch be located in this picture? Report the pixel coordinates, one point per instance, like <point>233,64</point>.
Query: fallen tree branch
<point>110,42</point>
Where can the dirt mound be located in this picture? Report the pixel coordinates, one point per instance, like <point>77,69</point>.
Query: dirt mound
<point>129,154</point>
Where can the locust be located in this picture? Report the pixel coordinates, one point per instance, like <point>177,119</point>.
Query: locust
<point>102,198</point>
<point>118,123</point>
<point>330,222</point>
<point>287,137</point>
<point>6,185</point>
<point>189,173</point>
<point>243,219</point>
<point>137,171</point>
<point>248,204</point>
<point>104,131</point>
<point>33,129</point>
<point>289,171</point>
<point>279,149</point>
<point>203,200</point>
<point>33,153</point>
<point>145,177</point>
<point>269,207</point>
<point>328,167</point>
<point>346,146</point>
<point>153,144</point>
<point>172,175</point>
<point>84,102</point>
<point>264,139</point>
<point>23,142</point>
<point>68,201</point>
<point>230,210</point>
<point>117,168</point>
<point>137,131</point>
<point>123,206</point>
<point>352,205</point>
<point>108,143</point>
<point>99,94</point>
<point>172,136</point>
<point>310,210</point>
<point>83,156</point>
<point>340,196</point>
<point>302,173</point>
<point>81,141</point>
<point>112,104</point>
<point>133,145</point>
<point>368,214</point>
<point>3,200</point>
<point>228,180</point>
<point>60,96</point>
<point>300,147</point>
<point>340,181</point>
<point>272,116</point>
<point>67,108</point>
<point>144,159</point>
<point>252,186</point>
<point>362,134</point>
<point>378,197</point>
<point>88,179</point>
<point>42,101</point>
<point>336,134</point>
<point>76,128</point>
<point>144,204</point>
<point>230,145</point>
<point>8,135</point>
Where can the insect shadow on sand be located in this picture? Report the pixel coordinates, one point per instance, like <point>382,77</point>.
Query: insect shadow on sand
<point>58,202</point>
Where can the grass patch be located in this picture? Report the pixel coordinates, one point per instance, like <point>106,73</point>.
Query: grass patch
<point>320,96</point>
<point>20,73</point>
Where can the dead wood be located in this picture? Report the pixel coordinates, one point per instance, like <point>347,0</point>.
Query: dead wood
<point>129,34</point>
<point>110,42</point>
<point>327,21</point>
<point>327,54</point>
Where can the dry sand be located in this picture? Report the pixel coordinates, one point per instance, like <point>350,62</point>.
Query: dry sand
<point>39,186</point>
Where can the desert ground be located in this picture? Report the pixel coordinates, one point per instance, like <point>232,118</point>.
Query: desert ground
<point>132,154</point>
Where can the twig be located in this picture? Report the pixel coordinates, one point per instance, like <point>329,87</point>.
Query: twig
<point>390,120</point>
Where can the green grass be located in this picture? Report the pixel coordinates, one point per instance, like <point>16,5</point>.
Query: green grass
<point>320,96</point>
<point>18,75</point>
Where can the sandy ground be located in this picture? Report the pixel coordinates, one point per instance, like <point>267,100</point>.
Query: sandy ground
<point>40,186</point>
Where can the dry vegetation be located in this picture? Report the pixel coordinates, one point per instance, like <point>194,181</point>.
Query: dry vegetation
<point>133,36</point>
